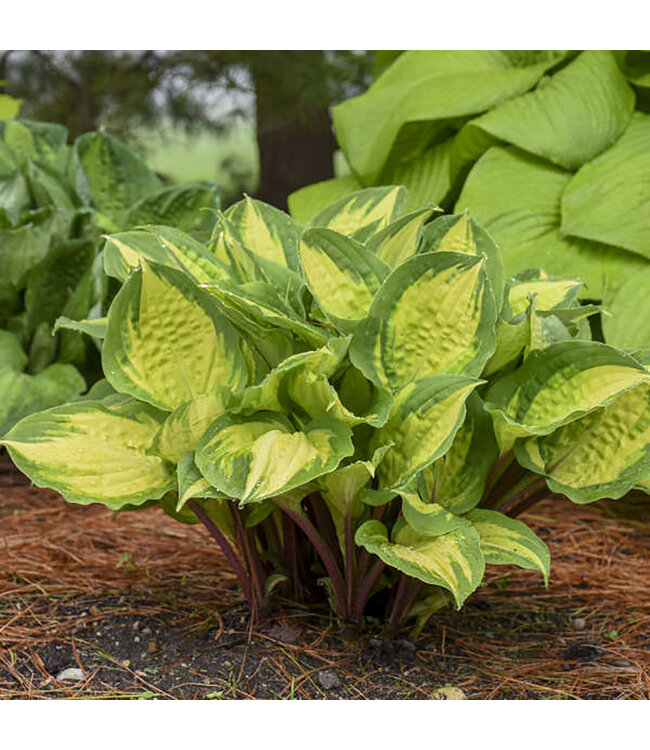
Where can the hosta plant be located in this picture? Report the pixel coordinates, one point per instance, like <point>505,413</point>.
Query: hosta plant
<point>549,151</point>
<point>56,202</point>
<point>358,410</point>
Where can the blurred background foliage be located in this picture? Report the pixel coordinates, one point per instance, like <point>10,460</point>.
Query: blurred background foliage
<point>251,121</point>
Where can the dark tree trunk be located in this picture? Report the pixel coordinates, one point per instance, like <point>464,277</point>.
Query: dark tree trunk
<point>296,143</point>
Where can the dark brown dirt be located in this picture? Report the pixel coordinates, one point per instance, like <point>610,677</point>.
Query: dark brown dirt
<point>146,608</point>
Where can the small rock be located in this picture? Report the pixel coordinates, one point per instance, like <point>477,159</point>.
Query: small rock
<point>283,633</point>
<point>136,625</point>
<point>448,693</point>
<point>227,664</point>
<point>126,662</point>
<point>146,631</point>
<point>328,679</point>
<point>136,639</point>
<point>71,674</point>
<point>579,623</point>
<point>621,663</point>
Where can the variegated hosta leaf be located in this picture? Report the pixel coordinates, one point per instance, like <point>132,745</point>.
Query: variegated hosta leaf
<point>433,314</point>
<point>604,454</point>
<point>190,207</point>
<point>187,424</point>
<point>166,343</point>
<point>123,253</point>
<point>558,384</point>
<point>456,481</point>
<point>95,327</point>
<point>513,336</point>
<point>265,231</point>
<point>93,452</point>
<point>257,308</point>
<point>506,541</point>
<point>400,239</point>
<point>341,274</point>
<point>191,483</point>
<point>308,201</point>
<point>422,425</point>
<point>453,561</point>
<point>459,233</point>
<point>363,213</point>
<point>430,518</point>
<point>548,293</point>
<point>261,456</point>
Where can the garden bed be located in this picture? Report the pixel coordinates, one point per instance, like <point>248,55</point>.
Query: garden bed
<point>139,606</point>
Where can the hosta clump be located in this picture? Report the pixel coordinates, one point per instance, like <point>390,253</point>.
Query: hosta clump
<point>356,410</point>
<point>56,201</point>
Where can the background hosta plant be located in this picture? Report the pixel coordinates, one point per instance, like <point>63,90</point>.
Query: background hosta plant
<point>549,151</point>
<point>358,410</point>
<point>56,201</point>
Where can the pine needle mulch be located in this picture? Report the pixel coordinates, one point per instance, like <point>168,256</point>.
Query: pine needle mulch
<point>143,607</point>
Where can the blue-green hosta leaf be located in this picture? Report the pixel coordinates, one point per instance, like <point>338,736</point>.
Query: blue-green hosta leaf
<point>23,248</point>
<point>42,141</point>
<point>453,561</point>
<point>264,231</point>
<point>426,88</point>
<point>456,481</point>
<point>187,424</point>
<point>517,198</point>
<point>14,195</point>
<point>604,454</point>
<point>433,314</point>
<point>307,202</point>
<point>123,253</point>
<point>568,119</point>
<point>48,186</point>
<point>506,541</point>
<point>342,275</point>
<point>430,518</point>
<point>421,427</point>
<point>559,384</point>
<point>95,327</point>
<point>628,324</point>
<point>262,456</point>
<point>459,233</point>
<point>110,177</point>
<point>609,198</point>
<point>93,452</point>
<point>181,206</point>
<point>363,213</point>
<point>399,240</point>
<point>12,356</point>
<point>166,343</point>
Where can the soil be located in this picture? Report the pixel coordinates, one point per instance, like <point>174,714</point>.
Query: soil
<point>144,607</point>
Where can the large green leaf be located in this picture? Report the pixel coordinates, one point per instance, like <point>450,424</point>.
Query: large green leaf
<point>608,200</point>
<point>628,324</point>
<point>12,356</point>
<point>421,426</point>
<point>568,119</point>
<point>433,314</point>
<point>111,177</point>
<point>516,198</point>
<point>261,456</point>
<point>166,343</point>
<point>604,454</point>
<point>189,207</point>
<point>341,274</point>
<point>309,201</point>
<point>23,248</point>
<point>561,383</point>
<point>421,90</point>
<point>506,541</point>
<point>453,561</point>
<point>9,107</point>
<point>93,452</point>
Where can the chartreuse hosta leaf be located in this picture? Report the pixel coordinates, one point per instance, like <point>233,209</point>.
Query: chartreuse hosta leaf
<point>456,481</point>
<point>399,240</point>
<point>433,314</point>
<point>628,324</point>
<point>93,452</point>
<point>265,231</point>
<point>506,541</point>
<point>362,213</point>
<point>342,275</point>
<point>421,427</point>
<point>548,293</point>
<point>558,384</point>
<point>604,454</point>
<point>453,561</point>
<point>187,424</point>
<point>459,233</point>
<point>310,200</point>
<point>251,458</point>
<point>166,343</point>
<point>429,518</point>
<point>123,253</point>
